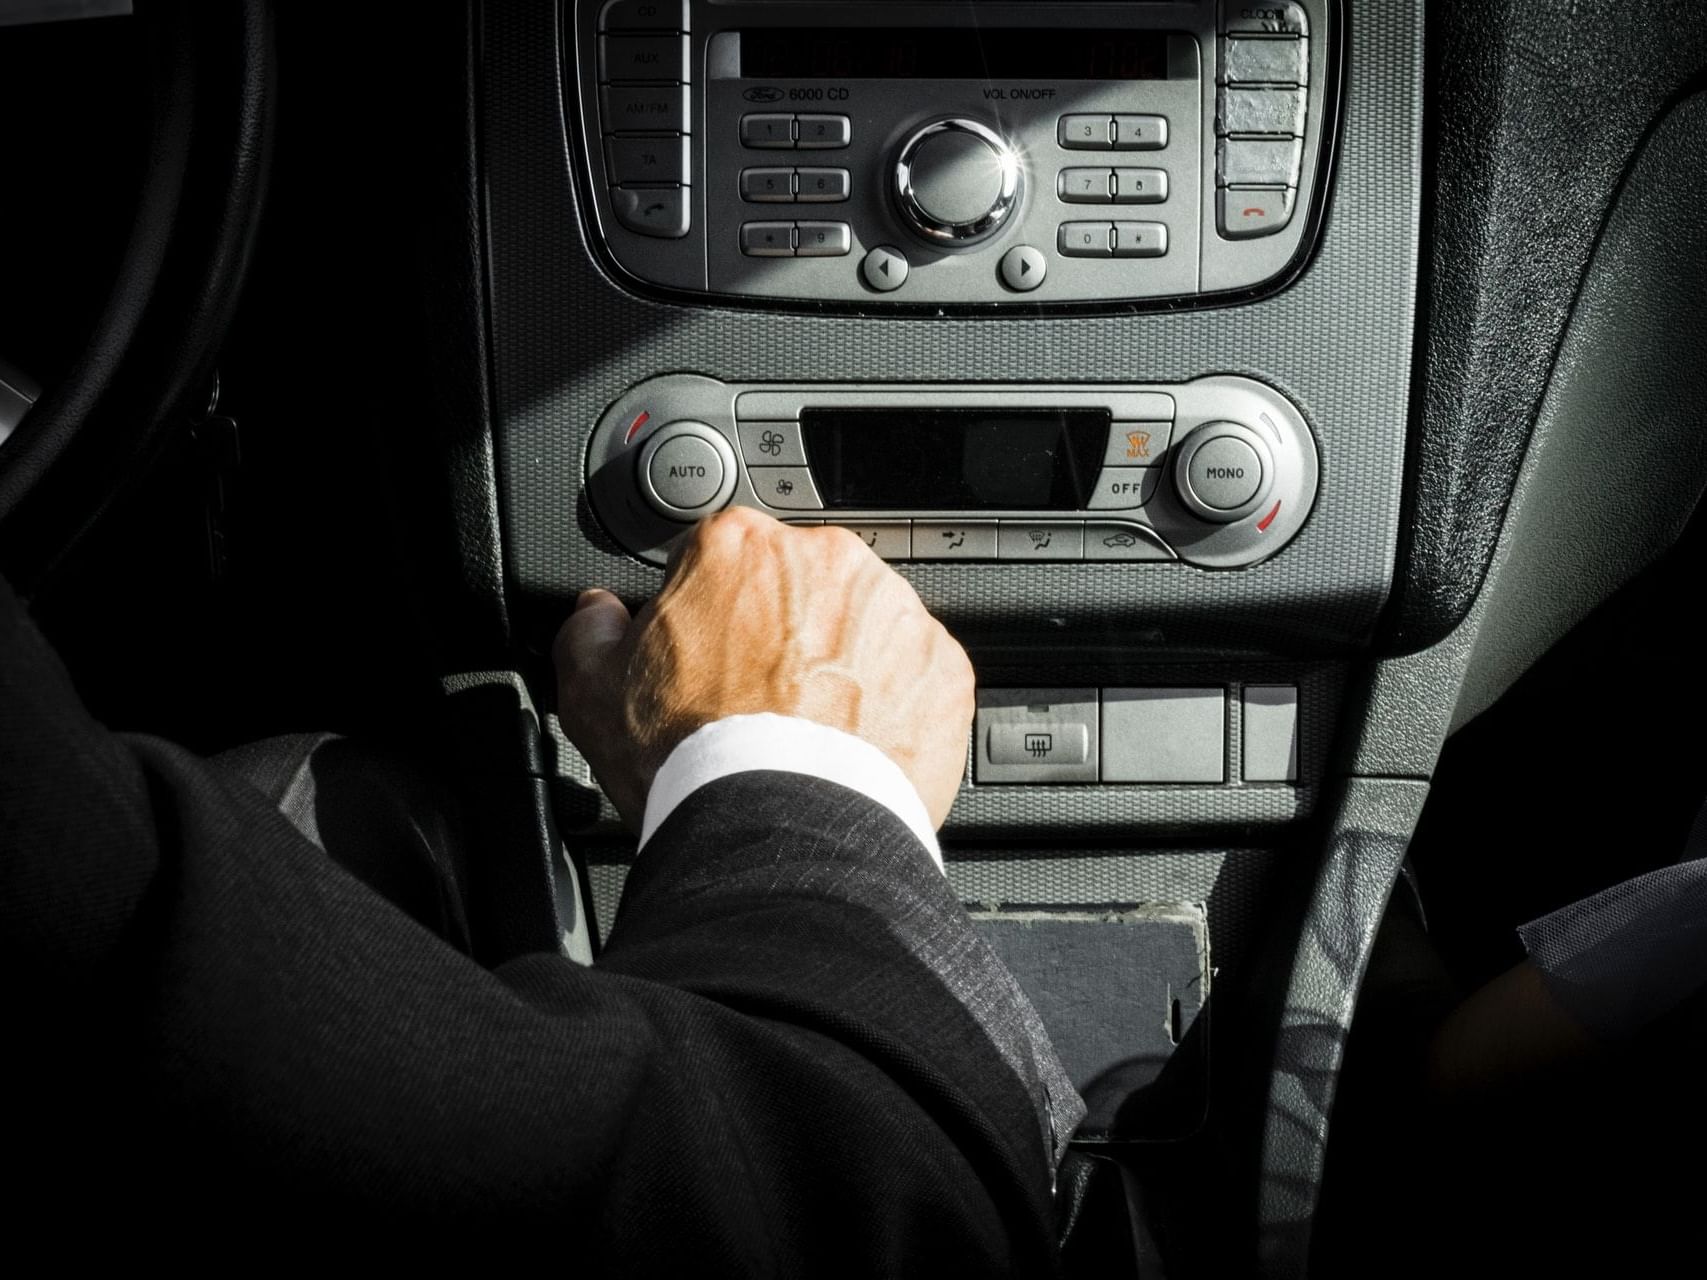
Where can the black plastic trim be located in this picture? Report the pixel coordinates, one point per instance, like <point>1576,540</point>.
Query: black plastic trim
<point>1505,274</point>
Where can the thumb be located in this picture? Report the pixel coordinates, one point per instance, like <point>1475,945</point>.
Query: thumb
<point>595,628</point>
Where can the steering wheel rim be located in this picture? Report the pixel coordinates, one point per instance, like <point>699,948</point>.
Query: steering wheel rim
<point>152,351</point>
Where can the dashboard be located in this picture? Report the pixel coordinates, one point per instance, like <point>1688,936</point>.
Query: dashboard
<point>1138,467</point>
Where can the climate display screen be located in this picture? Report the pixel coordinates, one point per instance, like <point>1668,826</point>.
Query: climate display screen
<point>938,53</point>
<point>955,459</point>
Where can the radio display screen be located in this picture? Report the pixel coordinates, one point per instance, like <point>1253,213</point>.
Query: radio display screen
<point>955,459</point>
<point>938,53</point>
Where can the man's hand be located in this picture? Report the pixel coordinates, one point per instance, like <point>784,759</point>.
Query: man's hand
<point>756,616</point>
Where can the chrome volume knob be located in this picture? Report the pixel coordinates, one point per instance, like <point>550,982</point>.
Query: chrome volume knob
<point>956,182</point>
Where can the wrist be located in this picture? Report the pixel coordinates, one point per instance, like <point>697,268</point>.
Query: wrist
<point>785,744</point>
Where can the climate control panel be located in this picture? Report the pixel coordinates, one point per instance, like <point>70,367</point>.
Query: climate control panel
<point>1220,472</point>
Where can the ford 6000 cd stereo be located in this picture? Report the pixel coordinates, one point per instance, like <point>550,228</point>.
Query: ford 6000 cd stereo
<point>979,154</point>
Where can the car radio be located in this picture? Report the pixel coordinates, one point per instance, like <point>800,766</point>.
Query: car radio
<point>1219,472</point>
<point>952,154</point>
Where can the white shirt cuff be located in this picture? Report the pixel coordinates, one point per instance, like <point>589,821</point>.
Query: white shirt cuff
<point>740,744</point>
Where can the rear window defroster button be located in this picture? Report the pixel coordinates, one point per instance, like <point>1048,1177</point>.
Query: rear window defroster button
<point>1042,743</point>
<point>1035,736</point>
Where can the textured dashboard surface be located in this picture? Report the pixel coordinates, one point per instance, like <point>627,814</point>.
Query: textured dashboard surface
<point>1550,99</point>
<point>1632,355</point>
<point>567,340</point>
<point>1329,953</point>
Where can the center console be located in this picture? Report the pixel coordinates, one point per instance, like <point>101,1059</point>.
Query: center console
<point>1115,453</point>
<point>1095,321</point>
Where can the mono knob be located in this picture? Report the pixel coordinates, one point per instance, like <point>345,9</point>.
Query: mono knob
<point>1223,471</point>
<point>956,182</point>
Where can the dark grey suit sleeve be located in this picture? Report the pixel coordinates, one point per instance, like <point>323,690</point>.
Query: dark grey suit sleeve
<point>213,1023</point>
<point>738,846</point>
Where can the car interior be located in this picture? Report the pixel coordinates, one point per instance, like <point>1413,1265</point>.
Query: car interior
<point>1297,409</point>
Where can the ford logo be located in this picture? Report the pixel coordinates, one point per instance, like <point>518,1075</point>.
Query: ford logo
<point>763,93</point>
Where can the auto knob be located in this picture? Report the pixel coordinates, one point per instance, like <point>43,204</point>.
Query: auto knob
<point>956,182</point>
<point>687,470</point>
<point>1223,471</point>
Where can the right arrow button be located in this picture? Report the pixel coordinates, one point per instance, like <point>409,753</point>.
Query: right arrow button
<point>1023,268</point>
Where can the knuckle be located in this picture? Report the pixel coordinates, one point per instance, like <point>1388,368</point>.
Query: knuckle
<point>906,595</point>
<point>955,662</point>
<point>967,680</point>
<point>963,665</point>
<point>722,533</point>
<point>843,544</point>
<point>839,536</point>
<point>743,518</point>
